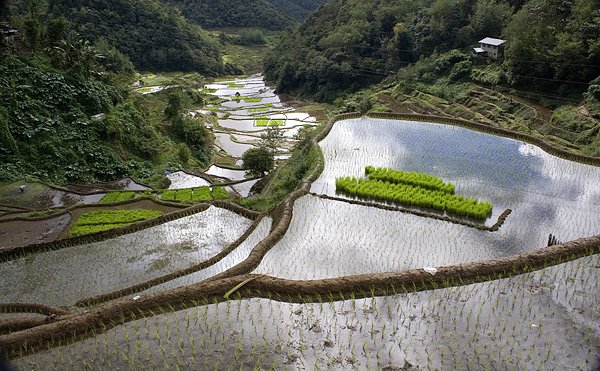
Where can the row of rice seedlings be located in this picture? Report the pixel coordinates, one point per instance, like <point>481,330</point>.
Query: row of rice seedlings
<point>62,277</point>
<point>503,324</point>
<point>253,100</point>
<point>195,194</point>
<point>112,197</point>
<point>411,178</point>
<point>103,220</point>
<point>413,196</point>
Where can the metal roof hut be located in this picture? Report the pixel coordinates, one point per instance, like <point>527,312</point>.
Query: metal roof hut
<point>490,47</point>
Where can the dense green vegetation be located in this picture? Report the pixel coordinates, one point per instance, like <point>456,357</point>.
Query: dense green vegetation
<point>67,114</point>
<point>258,161</point>
<point>413,196</point>
<point>195,194</point>
<point>103,220</point>
<point>297,9</point>
<point>411,178</point>
<point>111,197</point>
<point>149,33</point>
<point>265,14</point>
<point>233,13</point>
<point>285,178</point>
<point>350,44</point>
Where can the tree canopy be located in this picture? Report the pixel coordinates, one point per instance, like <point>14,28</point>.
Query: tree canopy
<point>350,44</point>
<point>258,161</point>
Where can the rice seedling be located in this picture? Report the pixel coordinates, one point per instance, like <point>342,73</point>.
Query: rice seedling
<point>103,220</point>
<point>264,121</point>
<point>403,193</point>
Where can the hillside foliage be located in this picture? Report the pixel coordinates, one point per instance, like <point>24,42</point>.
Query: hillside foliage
<point>148,32</point>
<point>350,44</point>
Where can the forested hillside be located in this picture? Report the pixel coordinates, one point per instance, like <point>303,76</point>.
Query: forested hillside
<point>349,44</point>
<point>149,33</point>
<point>297,9</point>
<point>67,112</point>
<point>233,13</point>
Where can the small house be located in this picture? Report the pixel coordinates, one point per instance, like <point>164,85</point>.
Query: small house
<point>490,48</point>
<point>7,34</point>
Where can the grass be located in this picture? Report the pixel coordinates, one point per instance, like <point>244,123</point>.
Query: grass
<point>112,197</point>
<point>143,90</point>
<point>234,85</point>
<point>208,91</point>
<point>103,220</point>
<point>253,100</point>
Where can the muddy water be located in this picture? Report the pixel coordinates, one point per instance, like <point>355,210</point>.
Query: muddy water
<point>524,323</point>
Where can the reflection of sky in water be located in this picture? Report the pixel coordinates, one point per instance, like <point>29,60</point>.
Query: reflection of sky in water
<point>64,276</point>
<point>547,195</point>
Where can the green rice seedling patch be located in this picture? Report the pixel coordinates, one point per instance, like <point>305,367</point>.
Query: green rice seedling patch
<point>234,85</point>
<point>195,194</point>
<point>112,197</point>
<point>411,178</point>
<point>208,91</point>
<point>264,121</point>
<point>253,100</point>
<point>413,196</point>
<point>169,195</point>
<point>87,229</point>
<point>219,193</point>
<point>143,90</point>
<point>258,110</point>
<point>201,194</point>
<point>239,97</point>
<point>184,195</point>
<point>102,220</point>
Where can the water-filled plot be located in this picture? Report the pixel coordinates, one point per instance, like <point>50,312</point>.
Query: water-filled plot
<point>65,276</point>
<point>331,238</point>
<point>182,180</point>
<point>525,323</point>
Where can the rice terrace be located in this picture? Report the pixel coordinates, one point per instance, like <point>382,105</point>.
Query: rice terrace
<point>300,185</point>
<point>329,281</point>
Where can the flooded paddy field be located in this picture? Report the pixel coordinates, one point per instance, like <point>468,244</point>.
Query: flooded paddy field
<point>541,320</point>
<point>547,319</point>
<point>64,276</point>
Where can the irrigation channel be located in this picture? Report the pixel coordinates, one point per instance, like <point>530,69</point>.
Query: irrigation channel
<point>331,284</point>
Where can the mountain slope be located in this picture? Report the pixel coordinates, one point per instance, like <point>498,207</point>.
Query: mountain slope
<point>233,13</point>
<point>349,44</point>
<point>149,33</point>
<point>299,9</point>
